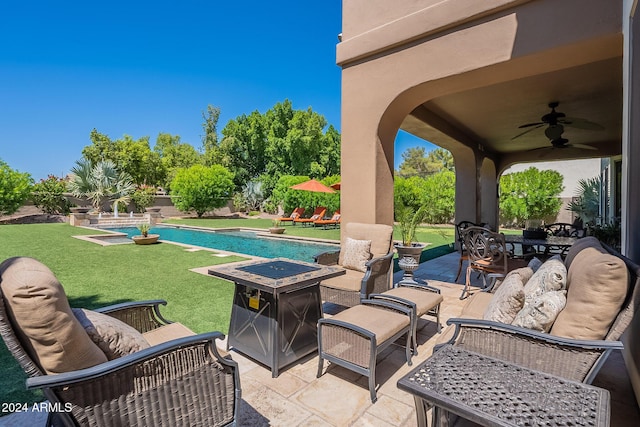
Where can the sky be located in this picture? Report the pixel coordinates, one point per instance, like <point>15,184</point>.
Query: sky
<point>141,68</point>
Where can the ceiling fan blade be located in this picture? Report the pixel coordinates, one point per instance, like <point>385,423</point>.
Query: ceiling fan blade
<point>539,125</point>
<point>581,123</point>
<point>530,124</point>
<point>583,146</point>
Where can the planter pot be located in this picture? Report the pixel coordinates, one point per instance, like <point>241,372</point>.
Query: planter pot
<point>276,230</point>
<point>414,251</point>
<point>148,240</point>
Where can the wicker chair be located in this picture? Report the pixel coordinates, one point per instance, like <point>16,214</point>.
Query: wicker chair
<point>350,289</point>
<point>185,381</point>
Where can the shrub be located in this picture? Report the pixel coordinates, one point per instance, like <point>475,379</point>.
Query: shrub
<point>48,196</point>
<point>15,188</point>
<point>201,189</point>
<point>143,197</point>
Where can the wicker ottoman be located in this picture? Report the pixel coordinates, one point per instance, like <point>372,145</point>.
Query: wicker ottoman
<point>421,298</point>
<point>354,337</point>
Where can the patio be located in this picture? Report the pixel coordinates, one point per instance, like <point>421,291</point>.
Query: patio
<point>341,398</point>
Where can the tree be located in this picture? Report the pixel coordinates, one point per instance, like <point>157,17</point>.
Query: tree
<point>99,182</point>
<point>587,206</point>
<point>416,162</point>
<point>48,195</point>
<point>530,194</point>
<point>210,138</point>
<point>15,188</point>
<point>439,195</point>
<point>175,155</point>
<point>201,189</point>
<point>283,141</point>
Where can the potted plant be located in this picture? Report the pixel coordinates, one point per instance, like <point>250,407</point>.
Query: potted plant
<point>408,220</point>
<point>276,229</point>
<point>145,238</point>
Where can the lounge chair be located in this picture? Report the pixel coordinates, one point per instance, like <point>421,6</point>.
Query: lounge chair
<point>119,365</point>
<point>297,213</point>
<point>326,223</point>
<point>317,214</point>
<point>366,254</point>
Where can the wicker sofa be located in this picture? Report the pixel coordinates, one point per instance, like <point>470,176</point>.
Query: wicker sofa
<point>587,330</point>
<point>119,365</point>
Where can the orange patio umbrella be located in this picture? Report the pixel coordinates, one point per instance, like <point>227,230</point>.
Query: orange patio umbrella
<point>336,186</point>
<point>313,185</point>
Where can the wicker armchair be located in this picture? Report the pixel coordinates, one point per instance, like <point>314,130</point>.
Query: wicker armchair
<point>350,289</point>
<point>185,381</point>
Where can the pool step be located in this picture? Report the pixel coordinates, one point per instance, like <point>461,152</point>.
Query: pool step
<point>121,222</point>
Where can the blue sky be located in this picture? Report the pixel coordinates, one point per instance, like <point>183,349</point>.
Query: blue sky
<point>140,68</point>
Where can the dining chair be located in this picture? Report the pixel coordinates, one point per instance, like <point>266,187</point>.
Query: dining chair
<point>488,255</point>
<point>460,227</point>
<point>561,229</point>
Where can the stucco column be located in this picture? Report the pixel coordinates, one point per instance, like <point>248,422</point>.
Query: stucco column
<point>488,193</point>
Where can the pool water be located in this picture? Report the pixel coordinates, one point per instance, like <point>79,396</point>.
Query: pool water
<point>244,242</point>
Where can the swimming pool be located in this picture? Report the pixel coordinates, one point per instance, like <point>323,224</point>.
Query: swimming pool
<point>244,242</point>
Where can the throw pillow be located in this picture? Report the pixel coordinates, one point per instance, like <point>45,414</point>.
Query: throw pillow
<point>356,254</point>
<point>542,311</point>
<point>42,319</point>
<point>507,301</point>
<point>551,276</point>
<point>598,285</point>
<point>114,337</point>
<point>534,264</point>
<point>524,273</point>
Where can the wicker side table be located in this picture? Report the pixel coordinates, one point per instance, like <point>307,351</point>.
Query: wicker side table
<point>493,392</point>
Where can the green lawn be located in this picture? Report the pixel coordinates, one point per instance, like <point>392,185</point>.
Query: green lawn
<point>95,276</point>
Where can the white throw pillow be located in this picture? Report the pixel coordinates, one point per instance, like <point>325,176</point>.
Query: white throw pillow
<point>540,313</point>
<point>551,276</point>
<point>356,254</point>
<point>507,301</point>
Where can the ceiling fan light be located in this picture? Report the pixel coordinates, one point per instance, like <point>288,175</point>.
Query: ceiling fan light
<point>554,132</point>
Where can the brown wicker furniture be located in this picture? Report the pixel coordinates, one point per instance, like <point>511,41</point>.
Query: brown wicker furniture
<point>356,285</point>
<point>354,337</point>
<point>421,298</point>
<point>185,381</point>
<point>276,307</point>
<point>491,392</point>
<point>297,213</point>
<point>572,358</point>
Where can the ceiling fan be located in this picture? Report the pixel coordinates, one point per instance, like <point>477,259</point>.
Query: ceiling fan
<point>556,121</point>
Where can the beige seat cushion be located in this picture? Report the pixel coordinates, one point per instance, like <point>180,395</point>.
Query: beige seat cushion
<point>167,333</point>
<point>476,305</point>
<point>540,313</point>
<point>424,300</point>
<point>355,254</point>
<point>383,323</point>
<point>43,320</point>
<point>507,301</point>
<point>351,281</point>
<point>114,337</point>
<point>578,246</point>
<point>598,284</point>
<point>379,234</point>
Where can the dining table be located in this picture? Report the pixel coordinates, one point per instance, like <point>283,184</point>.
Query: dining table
<point>561,243</point>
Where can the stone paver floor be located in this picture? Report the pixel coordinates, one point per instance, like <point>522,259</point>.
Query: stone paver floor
<point>341,398</point>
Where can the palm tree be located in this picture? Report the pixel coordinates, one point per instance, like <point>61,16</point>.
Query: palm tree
<point>100,181</point>
<point>587,206</point>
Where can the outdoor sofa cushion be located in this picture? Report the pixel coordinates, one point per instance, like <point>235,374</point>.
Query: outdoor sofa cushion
<point>551,276</point>
<point>597,286</point>
<point>379,234</point>
<point>540,312</point>
<point>34,297</point>
<point>114,337</point>
<point>350,281</point>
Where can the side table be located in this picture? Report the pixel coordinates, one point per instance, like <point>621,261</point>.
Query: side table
<point>492,392</point>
